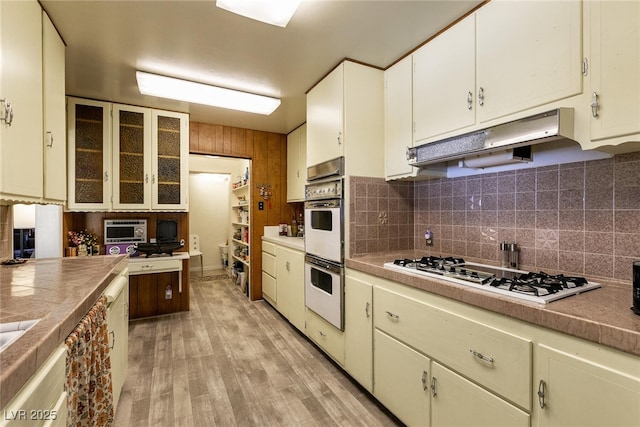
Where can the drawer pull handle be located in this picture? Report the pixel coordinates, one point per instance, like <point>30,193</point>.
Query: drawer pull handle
<point>542,386</point>
<point>481,356</point>
<point>322,334</point>
<point>392,316</point>
<point>425,384</point>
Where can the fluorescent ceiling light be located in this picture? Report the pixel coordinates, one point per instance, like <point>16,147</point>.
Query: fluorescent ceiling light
<point>199,93</point>
<point>274,12</point>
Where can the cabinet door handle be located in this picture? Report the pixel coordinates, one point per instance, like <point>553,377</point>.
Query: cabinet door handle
<point>425,384</point>
<point>49,139</point>
<point>542,388</point>
<point>7,115</point>
<point>153,178</point>
<point>146,178</point>
<point>469,100</point>
<point>366,309</point>
<point>481,356</point>
<point>339,138</point>
<point>322,334</point>
<point>481,96</point>
<point>106,176</point>
<point>392,316</point>
<point>434,393</point>
<point>594,104</point>
<point>113,339</point>
<point>287,266</point>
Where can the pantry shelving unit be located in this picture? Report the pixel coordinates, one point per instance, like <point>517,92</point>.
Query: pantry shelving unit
<point>240,236</point>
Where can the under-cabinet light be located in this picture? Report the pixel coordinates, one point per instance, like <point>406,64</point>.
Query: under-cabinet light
<point>200,93</point>
<point>274,12</point>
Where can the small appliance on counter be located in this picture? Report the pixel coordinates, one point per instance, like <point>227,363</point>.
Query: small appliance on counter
<point>166,239</point>
<point>120,235</point>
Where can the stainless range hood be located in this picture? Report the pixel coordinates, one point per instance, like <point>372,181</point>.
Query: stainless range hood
<point>498,145</point>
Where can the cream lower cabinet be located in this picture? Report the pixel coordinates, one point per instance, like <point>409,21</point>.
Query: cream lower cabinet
<point>575,390</point>
<point>401,380</point>
<point>325,335</point>
<point>456,401</point>
<point>483,363</point>
<point>117,294</point>
<point>269,271</point>
<point>358,329</point>
<point>42,401</point>
<point>290,285</point>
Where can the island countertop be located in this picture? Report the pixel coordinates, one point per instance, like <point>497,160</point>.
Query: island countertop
<point>59,291</point>
<point>602,316</point>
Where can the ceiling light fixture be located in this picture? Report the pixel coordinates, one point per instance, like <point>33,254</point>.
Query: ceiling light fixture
<point>199,93</point>
<point>274,12</point>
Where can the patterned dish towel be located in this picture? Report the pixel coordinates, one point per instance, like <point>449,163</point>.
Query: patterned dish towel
<point>89,389</point>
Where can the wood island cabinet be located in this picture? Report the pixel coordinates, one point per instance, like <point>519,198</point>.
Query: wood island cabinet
<point>153,294</point>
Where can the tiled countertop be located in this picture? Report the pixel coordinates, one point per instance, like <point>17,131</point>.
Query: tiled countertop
<point>601,315</point>
<point>296,243</point>
<point>59,291</point>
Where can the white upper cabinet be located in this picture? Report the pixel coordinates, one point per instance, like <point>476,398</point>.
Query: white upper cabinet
<point>131,157</point>
<point>169,160</point>
<point>55,135</point>
<point>444,82</point>
<point>296,164</point>
<point>325,130</point>
<point>345,117</point>
<point>398,119</point>
<point>614,70</point>
<point>89,154</point>
<point>506,58</point>
<point>21,136</point>
<point>528,54</point>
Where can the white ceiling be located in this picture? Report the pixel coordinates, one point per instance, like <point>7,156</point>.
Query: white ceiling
<point>107,41</point>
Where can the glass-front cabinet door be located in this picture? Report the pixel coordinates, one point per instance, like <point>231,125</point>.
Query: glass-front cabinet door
<point>170,150</point>
<point>89,152</point>
<point>131,157</point>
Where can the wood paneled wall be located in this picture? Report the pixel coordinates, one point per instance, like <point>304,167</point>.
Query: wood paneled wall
<point>268,154</point>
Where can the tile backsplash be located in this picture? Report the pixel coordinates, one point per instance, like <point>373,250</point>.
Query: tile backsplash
<point>578,218</point>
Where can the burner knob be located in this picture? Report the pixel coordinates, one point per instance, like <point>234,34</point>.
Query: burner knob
<point>474,275</point>
<point>463,271</point>
<point>452,269</point>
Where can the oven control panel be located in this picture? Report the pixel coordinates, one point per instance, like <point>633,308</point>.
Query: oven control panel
<point>324,190</point>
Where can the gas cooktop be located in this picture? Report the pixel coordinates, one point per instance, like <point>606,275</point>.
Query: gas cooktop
<point>538,287</point>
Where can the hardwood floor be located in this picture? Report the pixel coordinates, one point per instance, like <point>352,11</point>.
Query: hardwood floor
<point>232,362</point>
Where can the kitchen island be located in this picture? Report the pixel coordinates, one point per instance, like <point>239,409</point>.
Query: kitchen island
<point>59,292</point>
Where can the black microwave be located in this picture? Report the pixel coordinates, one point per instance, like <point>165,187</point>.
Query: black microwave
<point>125,231</point>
